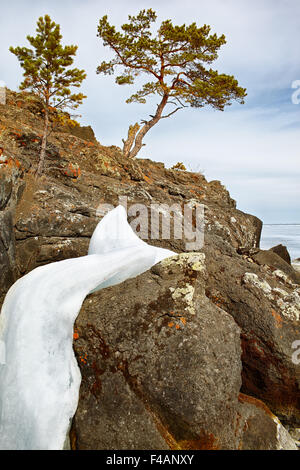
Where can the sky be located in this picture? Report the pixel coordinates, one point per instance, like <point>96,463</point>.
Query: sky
<point>253,149</point>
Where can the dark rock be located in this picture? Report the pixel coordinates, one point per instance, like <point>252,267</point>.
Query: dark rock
<point>265,304</point>
<point>166,372</point>
<point>5,188</point>
<point>261,430</point>
<point>7,271</point>
<point>9,189</point>
<point>282,251</point>
<point>182,365</point>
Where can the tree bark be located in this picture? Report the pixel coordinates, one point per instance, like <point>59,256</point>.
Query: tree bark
<point>137,143</point>
<point>41,164</point>
<point>132,131</point>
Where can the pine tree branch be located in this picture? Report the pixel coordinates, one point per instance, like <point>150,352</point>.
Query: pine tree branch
<point>172,112</point>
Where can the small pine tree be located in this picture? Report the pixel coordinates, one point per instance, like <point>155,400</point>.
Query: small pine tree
<point>47,73</point>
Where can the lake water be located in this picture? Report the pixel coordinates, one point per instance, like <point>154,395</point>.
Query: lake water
<point>288,235</point>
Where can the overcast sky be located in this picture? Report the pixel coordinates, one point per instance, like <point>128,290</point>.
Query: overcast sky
<point>253,149</point>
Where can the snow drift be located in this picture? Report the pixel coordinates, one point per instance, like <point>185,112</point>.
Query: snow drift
<point>39,377</point>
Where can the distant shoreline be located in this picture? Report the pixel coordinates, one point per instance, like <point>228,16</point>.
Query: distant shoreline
<point>284,234</point>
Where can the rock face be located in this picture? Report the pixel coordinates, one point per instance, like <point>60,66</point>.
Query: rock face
<point>10,190</point>
<point>192,354</point>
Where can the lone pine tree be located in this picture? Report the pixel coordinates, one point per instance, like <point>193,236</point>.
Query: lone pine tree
<point>175,60</point>
<point>47,73</point>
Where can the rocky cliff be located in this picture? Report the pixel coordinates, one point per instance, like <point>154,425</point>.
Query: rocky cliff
<point>196,353</point>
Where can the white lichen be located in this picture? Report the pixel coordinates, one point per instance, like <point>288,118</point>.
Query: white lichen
<point>253,279</point>
<point>282,276</point>
<point>185,294</point>
<point>288,303</point>
<point>195,261</point>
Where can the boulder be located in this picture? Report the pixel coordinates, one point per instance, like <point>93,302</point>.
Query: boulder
<point>161,368</point>
<point>282,251</point>
<point>261,430</point>
<point>265,303</point>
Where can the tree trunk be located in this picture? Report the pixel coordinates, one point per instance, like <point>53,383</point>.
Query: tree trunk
<point>138,141</point>
<point>41,164</point>
<point>132,131</point>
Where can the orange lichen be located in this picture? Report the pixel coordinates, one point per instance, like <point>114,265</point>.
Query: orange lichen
<point>12,163</point>
<point>73,170</point>
<point>75,334</point>
<point>147,179</point>
<point>207,441</point>
<point>254,401</point>
<point>278,319</point>
<point>218,301</point>
<point>83,358</point>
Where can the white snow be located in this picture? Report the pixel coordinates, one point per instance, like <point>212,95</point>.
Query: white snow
<point>40,379</point>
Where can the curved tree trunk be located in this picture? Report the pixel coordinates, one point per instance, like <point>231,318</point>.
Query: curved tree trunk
<point>134,141</point>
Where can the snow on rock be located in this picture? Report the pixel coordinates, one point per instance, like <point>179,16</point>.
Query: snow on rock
<point>40,378</point>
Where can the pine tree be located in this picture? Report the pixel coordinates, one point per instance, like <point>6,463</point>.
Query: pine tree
<point>175,60</point>
<point>47,74</point>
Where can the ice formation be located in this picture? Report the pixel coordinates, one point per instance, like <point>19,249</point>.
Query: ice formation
<point>40,378</point>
